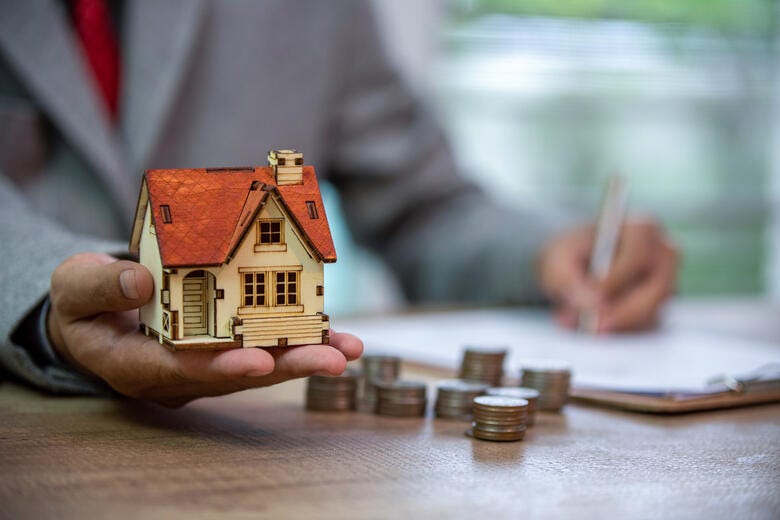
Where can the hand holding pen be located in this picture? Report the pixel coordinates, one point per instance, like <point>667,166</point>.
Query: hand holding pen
<point>613,279</point>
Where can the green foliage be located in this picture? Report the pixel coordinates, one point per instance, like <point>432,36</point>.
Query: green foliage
<point>737,17</point>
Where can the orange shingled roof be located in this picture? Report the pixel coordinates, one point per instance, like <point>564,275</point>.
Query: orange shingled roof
<point>212,210</point>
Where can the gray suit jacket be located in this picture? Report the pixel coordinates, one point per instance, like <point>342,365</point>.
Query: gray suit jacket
<point>215,83</point>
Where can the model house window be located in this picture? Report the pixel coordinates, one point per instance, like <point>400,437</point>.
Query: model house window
<point>254,290</point>
<point>165,209</point>
<point>264,291</point>
<point>287,288</point>
<point>312,209</point>
<point>270,232</point>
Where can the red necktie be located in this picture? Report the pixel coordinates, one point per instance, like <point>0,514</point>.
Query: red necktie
<point>92,22</point>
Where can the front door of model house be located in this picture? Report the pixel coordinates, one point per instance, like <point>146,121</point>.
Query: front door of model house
<point>195,305</point>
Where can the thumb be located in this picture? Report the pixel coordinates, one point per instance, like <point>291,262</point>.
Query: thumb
<point>90,283</point>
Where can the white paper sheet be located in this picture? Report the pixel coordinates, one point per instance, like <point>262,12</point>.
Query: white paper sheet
<point>667,359</point>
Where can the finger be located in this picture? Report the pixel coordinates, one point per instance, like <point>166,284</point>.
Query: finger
<point>566,273</point>
<point>567,317</point>
<point>291,362</point>
<point>162,367</point>
<point>633,257</point>
<point>225,365</point>
<point>348,344</point>
<point>638,308</point>
<point>303,361</point>
<point>255,362</point>
<point>89,284</point>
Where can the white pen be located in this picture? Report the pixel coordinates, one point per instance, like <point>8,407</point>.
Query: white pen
<point>611,216</point>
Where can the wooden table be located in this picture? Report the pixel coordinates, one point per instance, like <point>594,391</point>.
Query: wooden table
<point>259,454</point>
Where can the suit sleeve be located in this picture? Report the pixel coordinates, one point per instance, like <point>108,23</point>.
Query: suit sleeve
<point>32,247</point>
<point>404,198</point>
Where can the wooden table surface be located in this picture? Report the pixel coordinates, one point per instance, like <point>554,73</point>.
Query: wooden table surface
<point>259,454</point>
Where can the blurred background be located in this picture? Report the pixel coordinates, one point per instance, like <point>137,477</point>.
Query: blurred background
<point>679,96</point>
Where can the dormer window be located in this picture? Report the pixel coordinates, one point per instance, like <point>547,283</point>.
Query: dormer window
<point>165,210</point>
<point>269,232</point>
<point>311,207</point>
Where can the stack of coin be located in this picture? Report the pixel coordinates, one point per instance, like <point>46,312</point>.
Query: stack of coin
<point>401,399</point>
<point>483,364</point>
<point>551,377</point>
<point>376,369</point>
<point>455,398</point>
<point>529,394</point>
<point>332,393</point>
<point>499,418</point>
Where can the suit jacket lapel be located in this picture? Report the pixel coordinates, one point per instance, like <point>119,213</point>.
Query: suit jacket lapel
<point>160,39</point>
<point>37,41</point>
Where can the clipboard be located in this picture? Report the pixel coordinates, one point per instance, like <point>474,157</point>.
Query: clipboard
<point>757,387</point>
<point>667,371</point>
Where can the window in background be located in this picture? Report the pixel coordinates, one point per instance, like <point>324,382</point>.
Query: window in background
<point>675,95</point>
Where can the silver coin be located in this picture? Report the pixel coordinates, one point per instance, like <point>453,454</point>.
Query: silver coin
<point>499,401</point>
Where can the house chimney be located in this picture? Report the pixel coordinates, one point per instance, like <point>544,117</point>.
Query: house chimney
<point>287,165</point>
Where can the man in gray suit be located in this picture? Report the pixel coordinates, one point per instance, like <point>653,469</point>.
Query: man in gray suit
<point>214,83</point>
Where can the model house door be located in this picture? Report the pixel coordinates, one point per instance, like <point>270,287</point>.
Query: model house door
<point>195,304</point>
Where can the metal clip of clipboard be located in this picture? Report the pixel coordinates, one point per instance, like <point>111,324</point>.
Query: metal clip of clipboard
<point>763,379</point>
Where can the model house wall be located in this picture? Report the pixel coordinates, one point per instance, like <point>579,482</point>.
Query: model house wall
<point>151,313</point>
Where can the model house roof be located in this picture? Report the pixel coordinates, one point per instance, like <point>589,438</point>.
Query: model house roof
<point>201,215</point>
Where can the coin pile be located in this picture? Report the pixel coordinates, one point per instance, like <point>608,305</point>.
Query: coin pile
<point>332,393</point>
<point>552,378</point>
<point>455,398</point>
<point>529,394</point>
<point>401,398</point>
<point>499,418</point>
<point>376,369</point>
<point>483,364</point>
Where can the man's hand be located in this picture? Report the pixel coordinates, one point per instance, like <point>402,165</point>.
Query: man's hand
<point>93,324</point>
<point>641,278</point>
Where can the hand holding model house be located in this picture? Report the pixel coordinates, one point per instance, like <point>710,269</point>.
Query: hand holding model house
<point>230,257</point>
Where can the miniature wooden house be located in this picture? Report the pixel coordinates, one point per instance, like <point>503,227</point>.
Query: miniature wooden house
<point>237,255</point>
